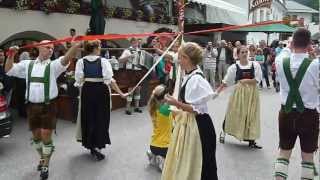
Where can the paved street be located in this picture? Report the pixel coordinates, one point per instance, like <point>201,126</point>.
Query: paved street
<point>130,137</point>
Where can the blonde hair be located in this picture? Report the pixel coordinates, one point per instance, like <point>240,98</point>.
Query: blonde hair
<point>193,51</point>
<point>156,96</point>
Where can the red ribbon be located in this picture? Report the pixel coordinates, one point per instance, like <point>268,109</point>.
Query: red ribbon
<point>125,36</point>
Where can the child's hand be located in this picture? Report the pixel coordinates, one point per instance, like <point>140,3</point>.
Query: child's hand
<point>170,100</point>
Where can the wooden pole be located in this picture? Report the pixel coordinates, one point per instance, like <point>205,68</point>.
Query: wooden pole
<point>181,7</point>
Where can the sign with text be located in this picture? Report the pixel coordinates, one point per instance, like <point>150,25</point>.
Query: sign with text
<point>256,4</point>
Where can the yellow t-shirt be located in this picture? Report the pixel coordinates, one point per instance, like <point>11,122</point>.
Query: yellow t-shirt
<point>162,127</point>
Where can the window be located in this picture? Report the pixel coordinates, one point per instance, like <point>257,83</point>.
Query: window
<point>261,15</point>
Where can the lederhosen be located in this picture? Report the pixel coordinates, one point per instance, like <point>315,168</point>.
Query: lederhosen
<point>95,106</point>
<point>297,121</point>
<point>41,115</point>
<point>207,138</point>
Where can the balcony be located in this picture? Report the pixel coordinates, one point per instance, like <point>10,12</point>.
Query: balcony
<point>82,8</point>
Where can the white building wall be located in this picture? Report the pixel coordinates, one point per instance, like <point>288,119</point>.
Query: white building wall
<point>275,13</point>
<point>58,24</point>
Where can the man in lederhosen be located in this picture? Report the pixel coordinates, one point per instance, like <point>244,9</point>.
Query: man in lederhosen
<point>131,74</point>
<point>41,94</point>
<point>299,84</point>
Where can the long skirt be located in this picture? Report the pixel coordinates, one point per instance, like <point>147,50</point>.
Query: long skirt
<point>192,151</point>
<point>243,113</point>
<point>95,115</point>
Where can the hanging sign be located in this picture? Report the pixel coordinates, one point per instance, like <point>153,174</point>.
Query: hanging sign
<point>256,4</point>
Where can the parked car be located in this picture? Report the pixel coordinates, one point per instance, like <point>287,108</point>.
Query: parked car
<point>5,115</point>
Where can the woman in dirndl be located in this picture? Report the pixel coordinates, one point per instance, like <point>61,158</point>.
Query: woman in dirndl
<point>242,119</point>
<point>94,75</point>
<point>191,153</point>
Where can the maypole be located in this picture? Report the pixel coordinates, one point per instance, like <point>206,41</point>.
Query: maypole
<point>181,7</point>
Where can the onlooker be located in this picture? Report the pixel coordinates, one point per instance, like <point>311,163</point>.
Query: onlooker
<point>224,60</point>
<point>252,52</point>
<point>264,68</point>
<point>279,48</point>
<point>235,50</point>
<point>210,63</point>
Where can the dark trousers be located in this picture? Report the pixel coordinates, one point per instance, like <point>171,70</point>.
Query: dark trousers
<point>264,69</point>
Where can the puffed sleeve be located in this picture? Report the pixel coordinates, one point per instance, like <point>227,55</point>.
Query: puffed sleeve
<point>257,71</point>
<point>198,92</point>
<point>19,69</point>
<point>229,78</point>
<point>57,66</point>
<point>107,72</point>
<point>78,74</point>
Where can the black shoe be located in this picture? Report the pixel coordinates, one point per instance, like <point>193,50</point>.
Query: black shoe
<point>97,155</point>
<point>253,145</point>
<point>137,110</point>
<point>39,167</point>
<point>44,172</point>
<point>128,112</point>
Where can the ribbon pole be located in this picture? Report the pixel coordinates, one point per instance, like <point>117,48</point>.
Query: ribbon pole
<point>156,63</point>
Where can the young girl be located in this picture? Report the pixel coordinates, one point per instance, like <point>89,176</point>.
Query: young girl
<point>191,155</point>
<point>162,127</point>
<point>242,118</point>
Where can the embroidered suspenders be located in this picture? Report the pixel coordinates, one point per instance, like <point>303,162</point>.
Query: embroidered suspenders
<point>294,96</point>
<point>45,80</point>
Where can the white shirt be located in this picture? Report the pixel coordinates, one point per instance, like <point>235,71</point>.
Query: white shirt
<point>230,77</point>
<point>197,92</point>
<point>107,72</point>
<point>36,94</point>
<point>309,87</point>
<point>130,61</point>
<point>210,61</point>
<point>222,54</point>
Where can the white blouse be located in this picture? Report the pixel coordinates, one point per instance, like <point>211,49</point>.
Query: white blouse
<point>107,72</point>
<point>230,77</point>
<point>197,92</point>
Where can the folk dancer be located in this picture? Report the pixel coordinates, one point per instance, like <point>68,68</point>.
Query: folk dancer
<point>41,94</point>
<point>191,153</point>
<point>242,119</point>
<point>94,74</point>
<point>298,117</point>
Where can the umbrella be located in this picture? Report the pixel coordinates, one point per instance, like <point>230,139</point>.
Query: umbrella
<point>97,21</point>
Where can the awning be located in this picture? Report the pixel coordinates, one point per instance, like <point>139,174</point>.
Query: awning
<point>221,4</point>
<point>271,28</point>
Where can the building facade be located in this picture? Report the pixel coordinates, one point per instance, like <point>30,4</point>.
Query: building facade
<point>265,10</point>
<point>38,19</point>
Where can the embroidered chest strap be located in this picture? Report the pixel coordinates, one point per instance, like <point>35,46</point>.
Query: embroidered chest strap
<point>45,80</point>
<point>294,96</point>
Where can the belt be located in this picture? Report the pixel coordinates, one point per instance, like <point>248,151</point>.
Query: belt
<point>295,109</point>
<point>93,80</point>
<point>43,103</point>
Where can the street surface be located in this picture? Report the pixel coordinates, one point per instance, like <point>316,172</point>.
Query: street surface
<point>130,135</point>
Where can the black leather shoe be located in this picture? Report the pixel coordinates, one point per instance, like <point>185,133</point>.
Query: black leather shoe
<point>128,112</point>
<point>137,110</point>
<point>97,155</point>
<point>39,167</point>
<point>44,173</point>
<point>253,145</point>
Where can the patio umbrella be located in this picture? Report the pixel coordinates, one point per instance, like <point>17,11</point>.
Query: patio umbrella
<point>97,21</point>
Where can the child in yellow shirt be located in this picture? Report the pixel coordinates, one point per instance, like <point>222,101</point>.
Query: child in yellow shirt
<point>162,127</point>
